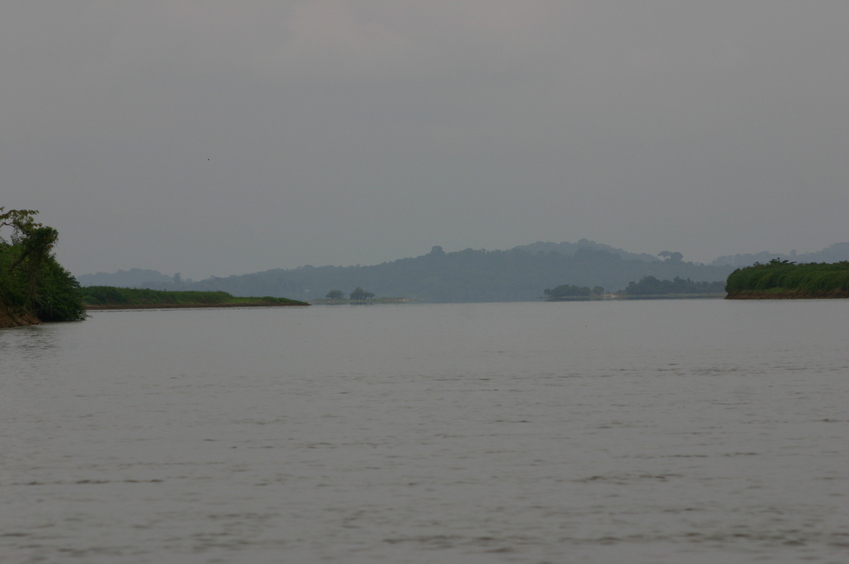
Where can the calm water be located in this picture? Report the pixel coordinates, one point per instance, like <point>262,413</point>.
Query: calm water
<point>656,431</point>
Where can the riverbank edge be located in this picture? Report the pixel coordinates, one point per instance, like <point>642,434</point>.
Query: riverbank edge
<point>788,295</point>
<point>628,297</point>
<point>95,307</point>
<point>10,319</point>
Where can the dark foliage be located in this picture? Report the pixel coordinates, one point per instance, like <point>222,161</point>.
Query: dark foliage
<point>360,294</point>
<point>32,282</point>
<point>112,296</point>
<point>565,291</point>
<point>109,295</point>
<point>651,286</point>
<point>777,276</point>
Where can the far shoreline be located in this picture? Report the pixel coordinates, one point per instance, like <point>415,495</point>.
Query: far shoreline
<point>788,295</point>
<point>101,307</point>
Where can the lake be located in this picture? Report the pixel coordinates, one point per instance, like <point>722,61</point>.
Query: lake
<point>663,431</point>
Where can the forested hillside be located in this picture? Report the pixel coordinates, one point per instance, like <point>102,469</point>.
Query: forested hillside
<point>463,276</point>
<point>566,248</point>
<point>521,273</point>
<point>833,253</point>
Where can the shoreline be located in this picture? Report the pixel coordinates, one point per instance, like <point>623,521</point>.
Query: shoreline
<point>97,307</point>
<point>626,297</point>
<point>788,295</point>
<point>9,320</point>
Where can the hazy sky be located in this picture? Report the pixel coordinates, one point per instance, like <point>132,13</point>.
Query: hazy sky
<point>217,138</point>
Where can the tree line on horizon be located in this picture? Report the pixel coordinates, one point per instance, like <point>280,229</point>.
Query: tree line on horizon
<point>518,274</point>
<point>357,295</point>
<point>462,276</point>
<point>651,286</point>
<point>648,286</point>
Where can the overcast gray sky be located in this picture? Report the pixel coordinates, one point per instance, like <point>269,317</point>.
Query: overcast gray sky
<point>218,138</point>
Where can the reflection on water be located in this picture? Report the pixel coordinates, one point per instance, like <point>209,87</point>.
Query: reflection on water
<point>679,431</point>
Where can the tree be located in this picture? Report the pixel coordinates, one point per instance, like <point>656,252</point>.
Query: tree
<point>670,256</point>
<point>335,295</point>
<point>567,291</point>
<point>32,283</point>
<point>649,285</point>
<point>30,246</point>
<point>360,294</point>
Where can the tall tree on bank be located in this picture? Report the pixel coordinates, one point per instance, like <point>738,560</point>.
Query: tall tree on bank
<point>32,284</point>
<point>359,294</point>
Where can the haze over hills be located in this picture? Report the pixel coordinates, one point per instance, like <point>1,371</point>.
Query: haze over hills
<point>833,253</point>
<point>133,278</point>
<point>521,273</point>
<point>566,248</point>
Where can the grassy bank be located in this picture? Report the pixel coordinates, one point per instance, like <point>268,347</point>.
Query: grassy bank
<point>109,297</point>
<point>786,280</point>
<point>685,296</point>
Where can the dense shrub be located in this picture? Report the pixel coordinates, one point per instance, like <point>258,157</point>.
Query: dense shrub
<point>112,296</point>
<point>33,285</point>
<point>566,291</point>
<point>109,295</point>
<point>651,286</point>
<point>779,276</point>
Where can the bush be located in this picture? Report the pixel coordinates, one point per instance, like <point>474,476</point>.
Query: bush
<point>32,282</point>
<point>783,276</point>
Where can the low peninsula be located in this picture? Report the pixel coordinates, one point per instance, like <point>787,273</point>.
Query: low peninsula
<point>782,279</point>
<point>648,288</point>
<point>109,297</point>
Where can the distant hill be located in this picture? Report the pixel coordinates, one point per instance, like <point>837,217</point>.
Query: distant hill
<point>833,253</point>
<point>462,276</point>
<point>519,274</point>
<point>572,248</point>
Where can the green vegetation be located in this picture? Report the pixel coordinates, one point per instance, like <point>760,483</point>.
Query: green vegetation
<point>359,294</point>
<point>647,287</point>
<point>651,286</point>
<point>569,292</point>
<point>327,301</point>
<point>33,286</point>
<point>337,296</point>
<point>111,297</point>
<point>462,276</point>
<point>785,279</point>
